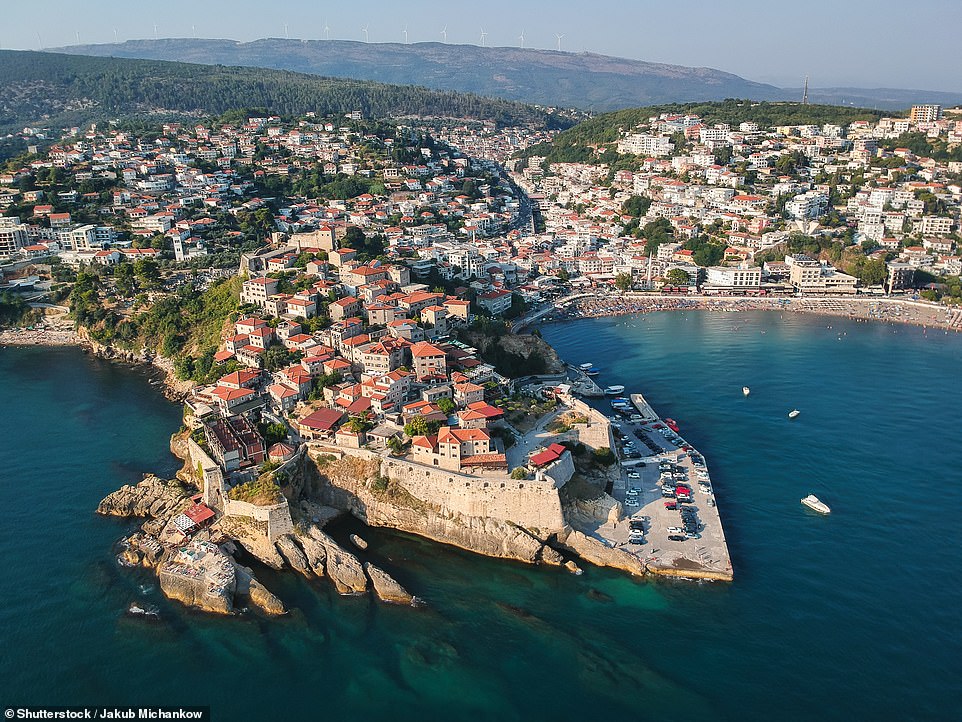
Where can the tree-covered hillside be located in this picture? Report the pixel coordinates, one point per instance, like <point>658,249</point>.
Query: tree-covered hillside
<point>577,144</point>
<point>55,90</point>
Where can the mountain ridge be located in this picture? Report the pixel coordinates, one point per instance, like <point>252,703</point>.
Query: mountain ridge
<point>589,81</point>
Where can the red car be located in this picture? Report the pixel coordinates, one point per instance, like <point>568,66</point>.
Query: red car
<point>672,505</point>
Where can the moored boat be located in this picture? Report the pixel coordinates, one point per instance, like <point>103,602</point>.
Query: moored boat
<point>592,371</point>
<point>815,504</point>
<point>614,390</point>
<point>585,367</point>
<point>672,424</point>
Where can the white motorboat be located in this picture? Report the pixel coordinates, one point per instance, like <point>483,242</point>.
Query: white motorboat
<point>746,390</point>
<point>585,367</point>
<point>793,413</point>
<point>813,502</point>
<point>614,390</point>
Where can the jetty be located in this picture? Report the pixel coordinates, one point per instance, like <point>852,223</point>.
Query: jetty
<point>667,493</point>
<point>582,384</point>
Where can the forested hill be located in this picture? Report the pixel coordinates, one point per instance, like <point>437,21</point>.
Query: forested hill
<point>577,144</point>
<point>588,81</point>
<point>54,90</point>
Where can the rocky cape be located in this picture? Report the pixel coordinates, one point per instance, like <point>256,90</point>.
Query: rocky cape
<point>309,551</point>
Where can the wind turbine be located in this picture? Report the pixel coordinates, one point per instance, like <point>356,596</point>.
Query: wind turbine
<point>444,33</point>
<point>364,30</point>
<point>559,41</point>
<point>39,41</point>
<point>286,34</point>
<point>155,31</point>
<point>405,31</point>
<point>193,31</point>
<point>483,36</point>
<point>327,31</point>
<point>115,35</point>
<point>78,37</point>
<point>521,38</point>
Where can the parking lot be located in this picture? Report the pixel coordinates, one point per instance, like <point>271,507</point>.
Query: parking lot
<point>681,529</point>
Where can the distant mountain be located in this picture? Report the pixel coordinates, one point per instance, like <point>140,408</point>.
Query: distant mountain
<point>51,89</point>
<point>544,77</point>
<point>588,81</point>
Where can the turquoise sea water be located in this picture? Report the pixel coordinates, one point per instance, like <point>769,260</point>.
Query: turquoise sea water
<point>851,616</point>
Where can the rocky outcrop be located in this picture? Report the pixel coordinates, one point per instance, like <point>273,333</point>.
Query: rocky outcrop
<point>153,497</point>
<point>205,581</point>
<point>251,590</point>
<point>358,542</point>
<point>315,553</point>
<point>386,587</point>
<point>293,555</point>
<point>343,568</point>
<point>600,554</point>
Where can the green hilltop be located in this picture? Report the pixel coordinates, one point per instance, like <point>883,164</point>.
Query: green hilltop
<point>56,90</point>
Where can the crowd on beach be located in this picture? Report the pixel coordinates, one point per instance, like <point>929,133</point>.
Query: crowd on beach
<point>877,309</point>
<point>46,336</point>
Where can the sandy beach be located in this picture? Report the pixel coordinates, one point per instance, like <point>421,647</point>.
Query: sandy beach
<point>58,336</point>
<point>886,310</point>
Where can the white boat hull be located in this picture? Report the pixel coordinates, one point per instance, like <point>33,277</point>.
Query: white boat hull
<point>813,503</point>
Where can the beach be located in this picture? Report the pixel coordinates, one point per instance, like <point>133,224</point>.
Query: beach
<point>884,309</point>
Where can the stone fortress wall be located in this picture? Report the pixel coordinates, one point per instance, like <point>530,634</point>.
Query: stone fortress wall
<point>529,503</point>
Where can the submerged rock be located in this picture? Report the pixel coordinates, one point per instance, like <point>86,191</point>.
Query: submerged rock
<point>386,587</point>
<point>358,542</point>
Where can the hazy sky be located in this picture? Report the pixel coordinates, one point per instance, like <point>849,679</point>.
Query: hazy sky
<point>865,43</point>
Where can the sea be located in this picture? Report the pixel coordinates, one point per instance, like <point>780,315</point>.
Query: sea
<point>855,615</point>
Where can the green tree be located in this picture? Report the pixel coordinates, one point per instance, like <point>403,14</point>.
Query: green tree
<point>623,282</point>
<point>446,405</point>
<point>677,277</point>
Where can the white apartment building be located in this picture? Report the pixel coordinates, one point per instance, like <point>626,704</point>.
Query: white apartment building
<point>646,144</point>
<point>935,226</point>
<point>810,204</point>
<point>13,235</point>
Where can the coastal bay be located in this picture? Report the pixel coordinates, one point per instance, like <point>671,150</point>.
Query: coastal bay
<point>829,603</point>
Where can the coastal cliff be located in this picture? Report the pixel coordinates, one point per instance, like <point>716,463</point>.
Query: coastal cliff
<point>356,485</point>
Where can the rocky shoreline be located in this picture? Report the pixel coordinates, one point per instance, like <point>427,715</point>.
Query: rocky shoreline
<point>202,572</point>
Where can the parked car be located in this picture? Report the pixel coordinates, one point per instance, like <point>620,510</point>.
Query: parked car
<point>677,537</point>
<point>675,530</point>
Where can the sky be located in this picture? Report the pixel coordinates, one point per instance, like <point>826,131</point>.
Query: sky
<point>858,43</point>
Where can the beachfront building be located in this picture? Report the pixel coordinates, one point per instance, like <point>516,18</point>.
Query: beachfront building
<point>900,276</point>
<point>810,276</point>
<point>723,279</point>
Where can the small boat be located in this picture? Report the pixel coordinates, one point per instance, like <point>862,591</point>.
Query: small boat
<point>614,390</point>
<point>746,390</point>
<point>793,413</point>
<point>592,371</point>
<point>813,502</point>
<point>585,367</point>
<point>672,424</point>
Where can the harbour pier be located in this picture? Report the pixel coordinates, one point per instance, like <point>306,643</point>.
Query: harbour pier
<point>671,521</point>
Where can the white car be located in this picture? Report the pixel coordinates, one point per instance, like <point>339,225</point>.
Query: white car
<point>634,475</point>
<point>675,530</point>
<point>632,501</point>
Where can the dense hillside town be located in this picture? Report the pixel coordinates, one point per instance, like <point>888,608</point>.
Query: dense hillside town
<point>340,279</point>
